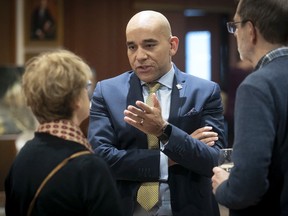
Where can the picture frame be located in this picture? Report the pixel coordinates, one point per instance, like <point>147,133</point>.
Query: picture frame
<point>43,27</point>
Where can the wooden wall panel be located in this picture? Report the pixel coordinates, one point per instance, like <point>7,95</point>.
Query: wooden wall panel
<point>7,32</point>
<point>217,6</point>
<point>96,31</point>
<point>7,155</point>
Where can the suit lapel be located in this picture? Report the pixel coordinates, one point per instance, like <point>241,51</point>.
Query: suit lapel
<point>134,90</point>
<point>134,94</point>
<point>177,96</point>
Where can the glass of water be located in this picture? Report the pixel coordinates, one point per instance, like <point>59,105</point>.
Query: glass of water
<point>225,159</point>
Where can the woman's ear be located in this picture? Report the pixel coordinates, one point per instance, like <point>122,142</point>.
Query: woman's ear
<point>76,103</point>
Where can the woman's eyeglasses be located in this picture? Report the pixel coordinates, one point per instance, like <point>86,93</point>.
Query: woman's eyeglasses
<point>88,85</point>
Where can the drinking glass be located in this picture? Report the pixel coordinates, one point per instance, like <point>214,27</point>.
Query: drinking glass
<point>225,159</point>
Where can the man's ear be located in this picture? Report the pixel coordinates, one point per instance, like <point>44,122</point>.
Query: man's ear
<point>174,42</point>
<point>252,32</point>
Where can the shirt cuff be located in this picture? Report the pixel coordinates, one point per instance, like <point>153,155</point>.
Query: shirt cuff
<point>163,167</point>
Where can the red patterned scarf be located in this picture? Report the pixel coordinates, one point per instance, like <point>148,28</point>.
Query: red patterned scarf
<point>65,129</point>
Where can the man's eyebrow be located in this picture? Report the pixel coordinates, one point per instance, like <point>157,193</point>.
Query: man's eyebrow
<point>149,40</point>
<point>130,43</point>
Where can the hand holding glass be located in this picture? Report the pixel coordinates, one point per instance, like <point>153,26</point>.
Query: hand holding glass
<point>225,159</point>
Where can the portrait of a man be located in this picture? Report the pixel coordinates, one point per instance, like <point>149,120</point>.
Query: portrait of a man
<point>43,24</point>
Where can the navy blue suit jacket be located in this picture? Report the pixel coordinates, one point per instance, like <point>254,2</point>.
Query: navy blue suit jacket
<point>193,105</point>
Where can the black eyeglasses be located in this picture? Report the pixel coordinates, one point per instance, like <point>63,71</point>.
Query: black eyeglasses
<point>232,26</point>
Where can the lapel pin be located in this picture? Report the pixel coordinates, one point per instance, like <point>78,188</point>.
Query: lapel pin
<point>179,86</point>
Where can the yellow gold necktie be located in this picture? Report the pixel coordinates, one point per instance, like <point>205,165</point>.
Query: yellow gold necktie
<point>148,193</point>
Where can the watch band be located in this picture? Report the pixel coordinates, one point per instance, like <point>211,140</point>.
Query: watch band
<point>164,137</point>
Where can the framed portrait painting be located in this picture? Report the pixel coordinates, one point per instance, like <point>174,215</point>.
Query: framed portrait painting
<point>43,23</point>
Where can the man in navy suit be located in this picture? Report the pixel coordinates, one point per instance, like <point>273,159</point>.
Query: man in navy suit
<point>120,122</point>
<point>258,182</point>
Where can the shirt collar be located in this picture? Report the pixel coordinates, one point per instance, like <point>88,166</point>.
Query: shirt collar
<point>65,129</point>
<point>166,79</point>
<point>282,51</point>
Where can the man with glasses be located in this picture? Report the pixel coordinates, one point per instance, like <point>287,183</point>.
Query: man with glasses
<point>258,181</point>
